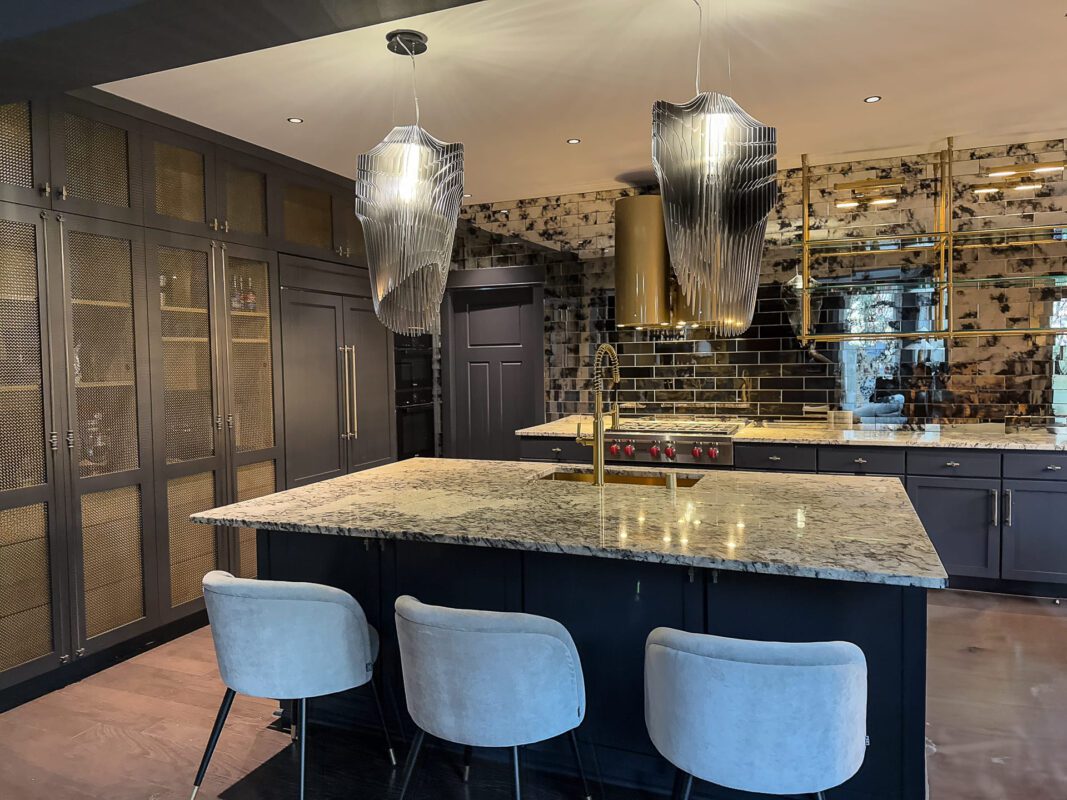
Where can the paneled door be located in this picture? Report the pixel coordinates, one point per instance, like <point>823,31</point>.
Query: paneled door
<point>243,188</point>
<point>494,369</point>
<point>962,517</point>
<point>179,182</point>
<point>34,595</point>
<point>1035,536</point>
<point>189,442</point>
<point>252,381</point>
<point>101,292</point>
<point>369,358</point>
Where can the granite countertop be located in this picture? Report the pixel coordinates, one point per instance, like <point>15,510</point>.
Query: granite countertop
<point>834,527</point>
<point>979,436</point>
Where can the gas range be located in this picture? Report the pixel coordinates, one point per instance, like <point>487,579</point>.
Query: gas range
<point>705,442</point>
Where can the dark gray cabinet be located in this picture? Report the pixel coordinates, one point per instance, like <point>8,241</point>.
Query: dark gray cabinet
<point>962,517</point>
<point>179,182</point>
<point>776,457</point>
<point>24,168</point>
<point>1035,531</point>
<point>337,362</point>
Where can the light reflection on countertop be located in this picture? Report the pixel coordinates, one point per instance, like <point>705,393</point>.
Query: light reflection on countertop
<point>854,528</point>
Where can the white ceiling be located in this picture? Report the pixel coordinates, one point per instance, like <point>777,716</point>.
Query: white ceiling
<point>512,79</point>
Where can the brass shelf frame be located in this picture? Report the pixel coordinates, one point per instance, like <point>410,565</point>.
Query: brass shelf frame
<point>943,241</point>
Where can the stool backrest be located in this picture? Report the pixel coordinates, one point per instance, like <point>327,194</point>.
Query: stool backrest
<point>286,640</point>
<point>771,717</point>
<point>486,678</point>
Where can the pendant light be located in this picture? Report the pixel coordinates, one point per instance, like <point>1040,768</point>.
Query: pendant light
<point>716,168</point>
<point>408,192</point>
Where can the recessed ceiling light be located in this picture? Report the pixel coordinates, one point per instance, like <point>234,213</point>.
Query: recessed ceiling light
<point>574,141</point>
<point>874,98</point>
<point>294,120</point>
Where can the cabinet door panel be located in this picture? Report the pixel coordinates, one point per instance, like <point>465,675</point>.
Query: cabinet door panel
<point>96,162</point>
<point>243,192</point>
<point>962,518</point>
<point>1035,535</point>
<point>24,154</point>
<point>371,386</point>
<point>253,480</point>
<point>179,182</point>
<point>315,386</point>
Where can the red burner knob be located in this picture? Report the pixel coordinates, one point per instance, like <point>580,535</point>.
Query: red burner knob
<point>697,452</point>
<point>654,451</point>
<point>614,449</point>
<point>628,450</point>
<point>713,452</point>
<point>669,452</point>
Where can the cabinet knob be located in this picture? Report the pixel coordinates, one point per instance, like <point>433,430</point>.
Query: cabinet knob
<point>214,224</point>
<point>1053,467</point>
<point>557,450</point>
<point>45,189</point>
<point>859,461</point>
<point>774,458</point>
<point>952,463</point>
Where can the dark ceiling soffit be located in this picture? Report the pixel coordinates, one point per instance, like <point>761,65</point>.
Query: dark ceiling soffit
<point>123,40</point>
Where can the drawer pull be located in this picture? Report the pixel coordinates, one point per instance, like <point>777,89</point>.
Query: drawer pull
<point>1053,467</point>
<point>774,458</point>
<point>952,463</point>
<point>557,450</point>
<point>859,461</point>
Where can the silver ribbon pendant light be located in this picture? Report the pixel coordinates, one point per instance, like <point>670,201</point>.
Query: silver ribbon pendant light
<point>716,168</point>
<point>408,192</point>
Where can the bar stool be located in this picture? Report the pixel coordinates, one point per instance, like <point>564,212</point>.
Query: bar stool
<point>286,640</point>
<point>768,717</point>
<point>488,679</point>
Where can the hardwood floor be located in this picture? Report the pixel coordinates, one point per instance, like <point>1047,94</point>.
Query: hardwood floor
<point>997,726</point>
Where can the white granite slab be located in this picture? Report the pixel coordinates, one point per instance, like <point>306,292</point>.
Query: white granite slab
<point>988,437</point>
<point>833,527</point>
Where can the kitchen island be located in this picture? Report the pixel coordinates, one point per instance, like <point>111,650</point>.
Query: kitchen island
<point>754,555</point>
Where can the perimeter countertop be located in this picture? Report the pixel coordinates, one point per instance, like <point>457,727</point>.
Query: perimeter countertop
<point>833,527</point>
<point>980,436</point>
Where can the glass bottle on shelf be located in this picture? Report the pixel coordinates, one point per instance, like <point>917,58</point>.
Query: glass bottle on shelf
<point>162,290</point>
<point>235,295</point>
<point>249,296</point>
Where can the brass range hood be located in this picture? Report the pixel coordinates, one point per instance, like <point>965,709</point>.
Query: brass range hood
<point>646,294</point>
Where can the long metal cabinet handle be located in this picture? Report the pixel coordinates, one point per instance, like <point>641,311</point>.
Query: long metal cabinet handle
<point>344,382</point>
<point>355,401</point>
<point>1007,507</point>
<point>214,351</point>
<point>996,506</point>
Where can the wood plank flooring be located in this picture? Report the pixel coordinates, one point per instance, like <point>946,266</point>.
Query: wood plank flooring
<point>997,726</point>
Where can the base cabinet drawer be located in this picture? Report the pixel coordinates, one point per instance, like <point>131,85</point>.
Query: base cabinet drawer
<point>862,460</point>
<point>962,517</point>
<point>1035,531</point>
<point>954,463</point>
<point>1036,466</point>
<point>536,449</point>
<point>778,457</point>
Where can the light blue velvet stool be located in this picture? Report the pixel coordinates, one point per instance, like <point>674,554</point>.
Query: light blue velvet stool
<point>768,717</point>
<point>287,641</point>
<point>488,679</point>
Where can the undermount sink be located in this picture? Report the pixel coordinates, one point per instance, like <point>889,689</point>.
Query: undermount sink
<point>619,477</point>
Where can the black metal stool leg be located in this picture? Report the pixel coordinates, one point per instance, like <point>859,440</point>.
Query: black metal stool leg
<point>581,769</point>
<point>686,787</point>
<point>303,743</point>
<point>213,739</point>
<point>468,753</point>
<point>409,765</point>
<point>515,761</point>
<point>381,716</point>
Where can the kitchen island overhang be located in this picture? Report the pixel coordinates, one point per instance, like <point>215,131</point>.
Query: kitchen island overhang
<point>752,555</point>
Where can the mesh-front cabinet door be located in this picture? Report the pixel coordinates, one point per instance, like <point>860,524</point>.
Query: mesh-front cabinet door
<point>243,192</point>
<point>348,230</point>
<point>108,439</point>
<point>189,446</point>
<point>305,207</point>
<point>24,154</point>
<point>34,622</point>
<point>179,182</point>
<point>95,156</point>
<point>252,383</point>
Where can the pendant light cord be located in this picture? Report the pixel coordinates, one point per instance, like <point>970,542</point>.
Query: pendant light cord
<point>414,83</point>
<point>700,39</point>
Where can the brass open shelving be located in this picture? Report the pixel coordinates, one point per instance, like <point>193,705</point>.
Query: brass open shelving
<point>943,242</point>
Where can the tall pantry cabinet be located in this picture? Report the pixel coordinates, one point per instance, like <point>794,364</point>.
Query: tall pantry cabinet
<point>140,368</point>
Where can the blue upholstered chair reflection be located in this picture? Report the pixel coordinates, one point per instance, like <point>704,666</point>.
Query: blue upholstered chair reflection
<point>488,679</point>
<point>287,640</point>
<point>768,717</point>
